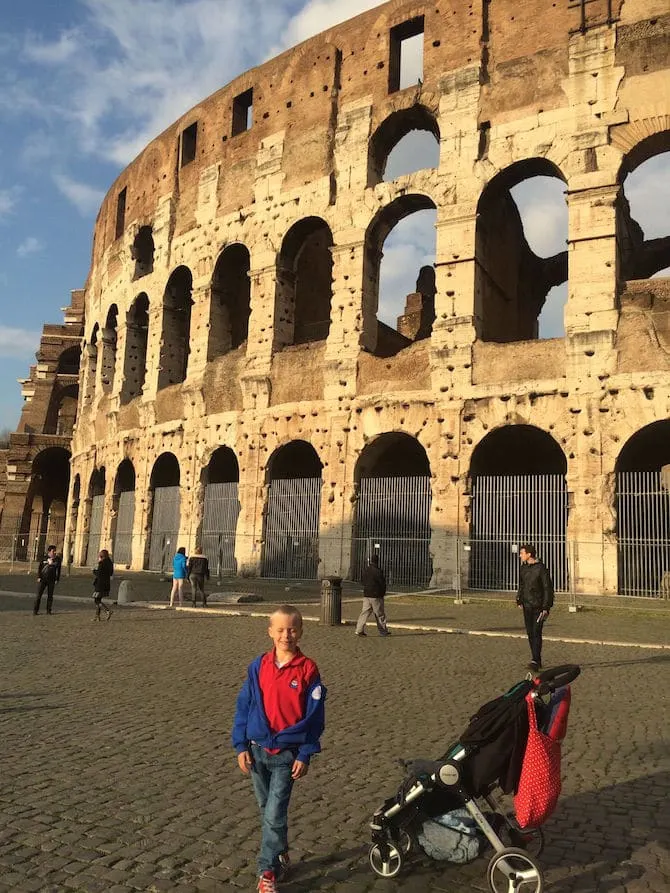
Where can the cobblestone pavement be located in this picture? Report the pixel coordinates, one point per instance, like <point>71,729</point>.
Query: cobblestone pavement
<point>117,774</point>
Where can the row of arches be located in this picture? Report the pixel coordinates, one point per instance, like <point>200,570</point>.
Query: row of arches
<point>517,492</point>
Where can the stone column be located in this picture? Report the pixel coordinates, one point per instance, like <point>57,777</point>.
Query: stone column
<point>256,379</point>
<point>346,320</point>
<point>252,494</point>
<point>337,502</point>
<point>199,333</point>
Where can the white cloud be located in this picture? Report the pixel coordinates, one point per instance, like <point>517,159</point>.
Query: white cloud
<point>53,53</point>
<point>17,342</point>
<point>30,245</point>
<point>7,202</point>
<point>408,247</point>
<point>85,198</point>
<point>319,15</point>
<point>648,191</point>
<point>544,214</point>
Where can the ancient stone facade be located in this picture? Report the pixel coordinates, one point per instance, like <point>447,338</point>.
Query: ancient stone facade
<point>233,294</point>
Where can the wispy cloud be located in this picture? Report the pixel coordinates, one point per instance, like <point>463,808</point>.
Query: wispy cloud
<point>544,214</point>
<point>85,198</point>
<point>17,342</point>
<point>54,53</point>
<point>30,245</point>
<point>7,202</point>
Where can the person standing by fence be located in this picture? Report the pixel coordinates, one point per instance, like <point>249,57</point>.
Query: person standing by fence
<point>48,574</point>
<point>178,576</point>
<point>197,571</point>
<point>374,590</point>
<point>102,583</point>
<point>536,596</point>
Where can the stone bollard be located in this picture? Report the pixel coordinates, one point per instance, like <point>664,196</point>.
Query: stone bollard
<point>331,601</point>
<point>126,593</point>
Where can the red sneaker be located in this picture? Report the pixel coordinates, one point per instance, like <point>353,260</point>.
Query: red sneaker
<point>267,883</point>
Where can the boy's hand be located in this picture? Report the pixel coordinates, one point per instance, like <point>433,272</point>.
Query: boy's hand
<point>299,770</point>
<point>244,762</point>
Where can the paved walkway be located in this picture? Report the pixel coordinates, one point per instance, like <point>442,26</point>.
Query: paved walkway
<point>118,776</point>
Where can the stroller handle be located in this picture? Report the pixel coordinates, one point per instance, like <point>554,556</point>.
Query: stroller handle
<point>556,677</point>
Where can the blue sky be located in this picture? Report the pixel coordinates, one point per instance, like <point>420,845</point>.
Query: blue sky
<point>85,84</point>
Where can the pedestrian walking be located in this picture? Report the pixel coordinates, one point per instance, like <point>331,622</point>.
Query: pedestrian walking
<point>102,583</point>
<point>197,571</point>
<point>279,720</point>
<point>178,576</point>
<point>48,574</point>
<point>374,590</point>
<point>536,596</point>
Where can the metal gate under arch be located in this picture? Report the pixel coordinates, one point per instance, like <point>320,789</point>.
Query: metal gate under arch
<point>219,524</point>
<point>291,537</point>
<point>508,511</point>
<point>95,530</point>
<point>164,528</point>
<point>643,513</point>
<point>123,538</point>
<point>393,521</point>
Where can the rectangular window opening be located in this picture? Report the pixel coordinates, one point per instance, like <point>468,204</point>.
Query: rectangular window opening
<point>406,58</point>
<point>121,213</point>
<point>243,111</point>
<point>189,139</point>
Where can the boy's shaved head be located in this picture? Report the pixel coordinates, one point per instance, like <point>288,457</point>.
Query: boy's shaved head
<point>287,611</point>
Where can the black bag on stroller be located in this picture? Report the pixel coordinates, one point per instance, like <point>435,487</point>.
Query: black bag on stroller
<point>488,756</point>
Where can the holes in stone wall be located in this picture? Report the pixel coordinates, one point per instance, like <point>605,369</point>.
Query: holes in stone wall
<point>120,213</point>
<point>176,328</point>
<point>109,349</point>
<point>406,54</point>
<point>135,360</point>
<point>91,364</point>
<point>142,252</point>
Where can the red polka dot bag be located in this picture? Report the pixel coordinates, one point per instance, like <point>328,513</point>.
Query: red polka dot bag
<point>540,779</point>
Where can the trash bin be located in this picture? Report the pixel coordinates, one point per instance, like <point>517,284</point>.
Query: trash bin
<point>331,601</point>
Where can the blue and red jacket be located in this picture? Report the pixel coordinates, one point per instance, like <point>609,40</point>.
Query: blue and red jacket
<point>251,722</point>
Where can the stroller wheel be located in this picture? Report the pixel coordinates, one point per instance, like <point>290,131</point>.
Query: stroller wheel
<point>513,870</point>
<point>385,859</point>
<point>404,842</point>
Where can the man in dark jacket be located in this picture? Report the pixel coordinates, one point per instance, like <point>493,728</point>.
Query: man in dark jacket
<point>197,570</point>
<point>536,597</point>
<point>48,574</point>
<point>374,590</point>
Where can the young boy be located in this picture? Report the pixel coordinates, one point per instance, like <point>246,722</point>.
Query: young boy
<point>278,722</point>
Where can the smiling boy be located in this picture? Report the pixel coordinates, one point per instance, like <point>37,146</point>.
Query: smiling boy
<point>279,720</point>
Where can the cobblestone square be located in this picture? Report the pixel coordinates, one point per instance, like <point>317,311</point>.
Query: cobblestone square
<point>118,775</point>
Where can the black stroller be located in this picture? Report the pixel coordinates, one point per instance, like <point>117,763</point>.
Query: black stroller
<point>487,758</point>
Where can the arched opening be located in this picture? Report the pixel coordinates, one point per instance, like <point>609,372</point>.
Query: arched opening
<point>304,287</point>
<point>69,360</point>
<point>91,365</point>
<point>109,349</point>
<point>96,510</point>
<point>221,510</point>
<point>407,141</point>
<point>164,512</point>
<point>392,517</point>
<point>176,328</point>
<point>142,252</point>
<point>62,412</point>
<point>230,305</point>
<point>399,251</point>
<point>643,512</point>
<point>518,494</point>
<point>137,338</point>
<point>643,210</point>
<point>49,482</point>
<point>292,511</point>
<point>74,519</point>
<point>123,513</point>
<point>521,258</point>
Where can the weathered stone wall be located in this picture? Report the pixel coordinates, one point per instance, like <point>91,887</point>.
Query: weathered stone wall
<point>512,89</point>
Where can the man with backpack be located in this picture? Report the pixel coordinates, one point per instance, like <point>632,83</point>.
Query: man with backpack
<point>374,590</point>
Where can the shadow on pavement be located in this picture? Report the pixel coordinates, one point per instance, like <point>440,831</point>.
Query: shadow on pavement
<point>655,659</point>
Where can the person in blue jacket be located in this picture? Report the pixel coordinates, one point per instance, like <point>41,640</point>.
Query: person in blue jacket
<point>178,576</point>
<point>279,720</point>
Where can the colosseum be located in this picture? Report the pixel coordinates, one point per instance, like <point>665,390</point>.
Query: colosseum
<point>238,388</point>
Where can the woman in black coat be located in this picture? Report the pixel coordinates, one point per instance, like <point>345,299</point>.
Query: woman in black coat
<point>102,582</point>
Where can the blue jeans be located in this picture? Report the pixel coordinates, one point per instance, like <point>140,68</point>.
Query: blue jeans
<point>271,777</point>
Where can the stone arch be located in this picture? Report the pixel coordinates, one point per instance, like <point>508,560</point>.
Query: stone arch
<point>221,509</point>
<point>175,328</point>
<point>518,494</point>
<point>69,361</point>
<point>392,131</point>
<point>95,507</point>
<point>641,254</point>
<point>292,512</point>
<point>378,337</point>
<point>92,364</point>
<point>230,303</point>
<point>123,513</point>
<point>304,283</point>
<point>164,512</point>
<point>511,281</point>
<point>109,336</point>
<point>137,339</point>
<point>62,412</point>
<point>142,252</point>
<point>49,483</point>
<point>392,513</point>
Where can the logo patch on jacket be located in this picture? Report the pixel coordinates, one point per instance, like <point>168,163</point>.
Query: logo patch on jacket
<point>316,694</point>
<point>293,683</point>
